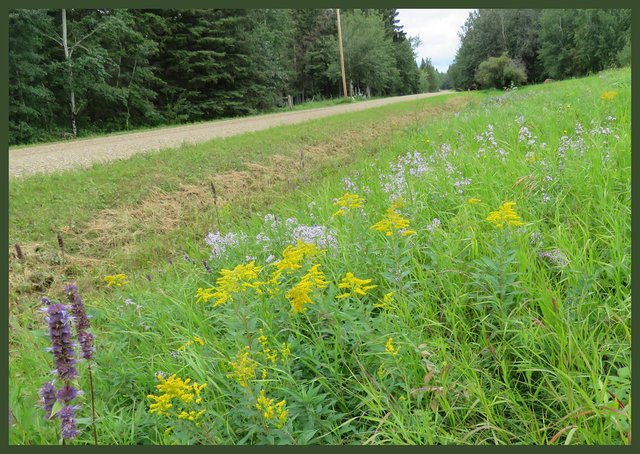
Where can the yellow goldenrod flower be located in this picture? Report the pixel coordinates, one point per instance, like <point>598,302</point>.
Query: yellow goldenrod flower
<point>191,416</point>
<point>176,390</point>
<point>292,256</point>
<point>391,223</point>
<point>117,280</point>
<point>185,345</point>
<point>386,301</point>
<point>282,413</point>
<point>381,372</point>
<point>265,405</point>
<point>285,351</point>
<point>241,278</point>
<point>505,215</point>
<point>204,294</point>
<point>390,348</point>
<point>354,285</point>
<point>271,355</point>
<point>348,201</point>
<point>196,339</point>
<point>262,339</point>
<point>244,368</point>
<point>474,200</point>
<point>300,294</point>
<point>608,95</point>
<point>161,404</point>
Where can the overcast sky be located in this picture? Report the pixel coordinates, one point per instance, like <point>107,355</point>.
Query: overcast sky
<point>438,32</point>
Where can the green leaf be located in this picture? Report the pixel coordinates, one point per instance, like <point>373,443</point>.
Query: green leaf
<point>56,408</point>
<point>83,421</point>
<point>624,372</point>
<point>570,436</point>
<point>306,436</point>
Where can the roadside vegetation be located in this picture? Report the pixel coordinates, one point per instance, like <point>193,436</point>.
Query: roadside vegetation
<point>454,270</point>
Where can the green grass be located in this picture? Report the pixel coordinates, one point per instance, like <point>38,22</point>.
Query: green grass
<point>496,343</point>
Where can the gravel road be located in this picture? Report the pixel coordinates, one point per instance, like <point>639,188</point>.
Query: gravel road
<point>85,152</point>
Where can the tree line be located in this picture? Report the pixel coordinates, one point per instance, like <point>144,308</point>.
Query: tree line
<point>499,47</point>
<point>80,71</point>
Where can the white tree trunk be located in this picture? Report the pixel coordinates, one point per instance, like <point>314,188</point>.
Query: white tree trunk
<point>67,56</point>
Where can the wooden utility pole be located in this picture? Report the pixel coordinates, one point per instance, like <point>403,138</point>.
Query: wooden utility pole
<point>344,76</point>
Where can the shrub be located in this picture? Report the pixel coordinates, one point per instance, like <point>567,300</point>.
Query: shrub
<point>500,72</point>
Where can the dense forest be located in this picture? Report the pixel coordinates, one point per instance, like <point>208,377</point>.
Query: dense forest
<point>499,46</point>
<point>121,69</point>
<point>78,71</point>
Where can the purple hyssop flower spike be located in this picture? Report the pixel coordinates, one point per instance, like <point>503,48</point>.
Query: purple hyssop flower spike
<point>67,393</point>
<point>68,422</point>
<point>85,338</point>
<point>61,341</point>
<point>48,395</point>
<point>64,358</point>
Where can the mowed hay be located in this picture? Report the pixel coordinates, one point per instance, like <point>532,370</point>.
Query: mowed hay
<point>159,213</point>
<point>44,268</point>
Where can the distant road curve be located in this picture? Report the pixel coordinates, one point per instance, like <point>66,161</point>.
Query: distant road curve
<point>85,152</point>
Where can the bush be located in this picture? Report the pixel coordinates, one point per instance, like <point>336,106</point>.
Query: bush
<point>499,72</point>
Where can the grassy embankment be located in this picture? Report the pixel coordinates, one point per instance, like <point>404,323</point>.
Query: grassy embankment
<point>513,334</point>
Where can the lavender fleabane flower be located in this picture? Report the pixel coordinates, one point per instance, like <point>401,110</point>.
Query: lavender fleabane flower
<point>61,341</point>
<point>322,236</point>
<point>435,223</point>
<point>48,395</point>
<point>554,257</point>
<point>85,338</point>
<point>68,422</point>
<point>219,243</point>
<point>460,184</point>
<point>349,185</point>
